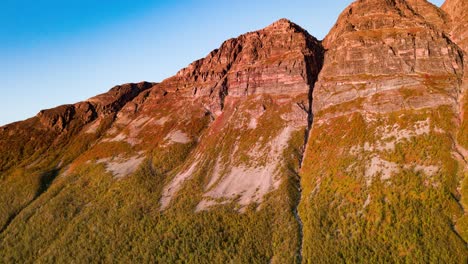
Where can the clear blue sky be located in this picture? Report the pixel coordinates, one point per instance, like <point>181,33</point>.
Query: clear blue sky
<point>55,52</point>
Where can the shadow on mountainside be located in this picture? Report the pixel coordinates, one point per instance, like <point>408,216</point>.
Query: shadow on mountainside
<point>45,181</point>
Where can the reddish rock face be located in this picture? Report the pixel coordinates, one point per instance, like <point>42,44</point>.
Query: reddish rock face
<point>118,96</point>
<point>430,13</point>
<point>279,59</point>
<point>378,48</point>
<point>457,11</point>
<point>254,87</point>
<point>391,86</point>
<point>268,74</point>
<point>59,118</point>
<point>52,128</point>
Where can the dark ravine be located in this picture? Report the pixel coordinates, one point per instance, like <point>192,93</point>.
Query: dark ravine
<point>312,77</point>
<point>298,219</point>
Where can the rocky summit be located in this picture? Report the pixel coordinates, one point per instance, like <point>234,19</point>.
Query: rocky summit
<point>274,148</point>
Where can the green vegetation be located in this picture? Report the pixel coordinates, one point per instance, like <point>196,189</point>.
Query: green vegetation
<point>89,217</point>
<point>86,215</point>
<point>31,171</point>
<point>462,140</point>
<point>408,218</point>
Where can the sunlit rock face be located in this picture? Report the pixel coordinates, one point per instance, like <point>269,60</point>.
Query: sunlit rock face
<point>383,56</point>
<point>457,11</point>
<point>279,59</point>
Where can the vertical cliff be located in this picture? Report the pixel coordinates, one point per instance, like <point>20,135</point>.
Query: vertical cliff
<point>457,12</point>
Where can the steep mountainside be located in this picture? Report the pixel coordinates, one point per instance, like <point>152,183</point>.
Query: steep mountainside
<point>458,13</point>
<point>382,168</point>
<point>219,143</point>
<point>274,148</point>
<point>34,151</point>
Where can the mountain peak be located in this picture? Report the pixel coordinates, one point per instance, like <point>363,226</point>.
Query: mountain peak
<point>375,15</point>
<point>403,38</point>
<point>243,64</point>
<point>282,23</point>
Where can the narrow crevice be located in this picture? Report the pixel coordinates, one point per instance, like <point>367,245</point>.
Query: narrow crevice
<point>459,152</point>
<point>223,89</point>
<point>298,218</point>
<point>223,92</point>
<point>313,64</point>
<point>10,219</point>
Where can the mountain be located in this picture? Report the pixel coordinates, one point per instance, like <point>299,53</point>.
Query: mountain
<point>275,147</point>
<point>386,107</point>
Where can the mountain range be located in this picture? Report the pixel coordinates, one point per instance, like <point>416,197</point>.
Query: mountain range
<point>274,148</point>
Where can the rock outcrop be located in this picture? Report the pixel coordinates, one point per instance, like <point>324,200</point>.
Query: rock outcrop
<point>58,125</point>
<point>274,60</point>
<point>59,118</point>
<point>380,54</point>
